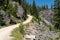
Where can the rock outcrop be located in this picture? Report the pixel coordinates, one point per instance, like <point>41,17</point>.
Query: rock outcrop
<point>47,14</point>
<point>5,16</point>
<point>20,10</point>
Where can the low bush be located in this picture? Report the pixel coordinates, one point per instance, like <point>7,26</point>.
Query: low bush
<point>18,33</point>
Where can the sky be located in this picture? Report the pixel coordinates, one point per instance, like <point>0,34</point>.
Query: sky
<point>42,2</point>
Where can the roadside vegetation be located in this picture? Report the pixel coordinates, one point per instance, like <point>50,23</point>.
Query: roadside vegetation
<point>18,33</point>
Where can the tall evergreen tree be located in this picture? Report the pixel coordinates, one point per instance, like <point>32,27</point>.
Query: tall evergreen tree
<point>35,12</point>
<point>1,19</point>
<point>1,2</point>
<point>6,3</point>
<point>57,14</point>
<point>46,6</point>
<point>24,5</point>
<point>51,7</point>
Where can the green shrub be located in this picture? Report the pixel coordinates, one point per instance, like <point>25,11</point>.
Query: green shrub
<point>21,29</point>
<point>17,35</point>
<point>57,38</point>
<point>12,10</point>
<point>1,20</point>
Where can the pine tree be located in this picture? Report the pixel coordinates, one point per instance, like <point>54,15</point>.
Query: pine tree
<point>6,3</point>
<point>24,5</point>
<point>51,7</point>
<point>1,2</point>
<point>1,19</point>
<point>35,12</point>
<point>57,14</point>
<point>46,6</point>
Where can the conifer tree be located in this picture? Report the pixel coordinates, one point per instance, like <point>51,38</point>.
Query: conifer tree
<point>1,2</point>
<point>57,14</point>
<point>1,19</point>
<point>46,6</point>
<point>35,12</point>
<point>6,3</point>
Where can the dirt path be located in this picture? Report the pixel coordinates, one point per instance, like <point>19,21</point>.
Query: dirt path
<point>6,32</point>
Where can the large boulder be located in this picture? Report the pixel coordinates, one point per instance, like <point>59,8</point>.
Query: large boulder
<point>47,14</point>
<point>5,16</point>
<point>20,10</point>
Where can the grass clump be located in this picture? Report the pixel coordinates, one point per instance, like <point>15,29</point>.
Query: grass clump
<point>18,33</point>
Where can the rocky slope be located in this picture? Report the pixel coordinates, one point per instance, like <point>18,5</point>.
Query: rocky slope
<point>41,32</point>
<point>47,14</point>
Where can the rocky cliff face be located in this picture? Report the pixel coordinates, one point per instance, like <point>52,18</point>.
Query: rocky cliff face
<point>5,16</point>
<point>47,14</point>
<point>20,10</point>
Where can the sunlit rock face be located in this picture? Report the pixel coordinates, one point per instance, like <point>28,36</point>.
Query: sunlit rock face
<point>20,10</point>
<point>5,16</point>
<point>47,14</point>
